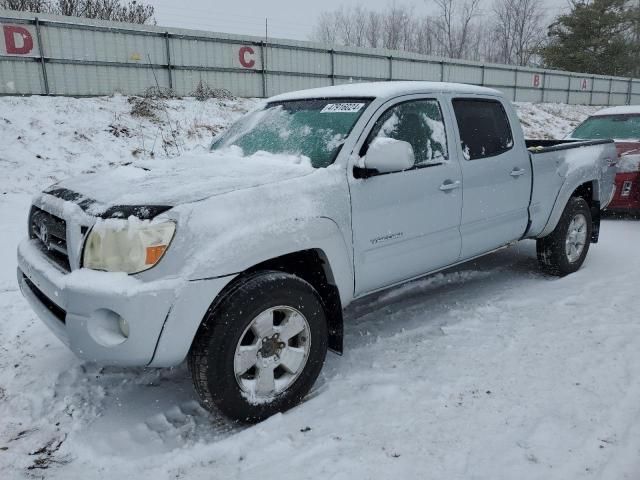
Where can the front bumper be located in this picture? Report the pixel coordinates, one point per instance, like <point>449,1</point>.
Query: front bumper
<point>83,308</point>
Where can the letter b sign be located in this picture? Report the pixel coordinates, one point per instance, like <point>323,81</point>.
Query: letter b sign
<point>535,81</point>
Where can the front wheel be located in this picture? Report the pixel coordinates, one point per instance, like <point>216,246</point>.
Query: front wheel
<point>261,349</point>
<point>563,251</point>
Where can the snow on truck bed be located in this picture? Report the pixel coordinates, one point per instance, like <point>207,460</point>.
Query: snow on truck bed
<point>489,370</point>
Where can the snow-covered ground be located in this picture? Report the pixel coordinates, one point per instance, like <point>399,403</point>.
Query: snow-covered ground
<point>490,370</point>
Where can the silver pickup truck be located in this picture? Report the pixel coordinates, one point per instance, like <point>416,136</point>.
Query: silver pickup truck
<point>241,259</point>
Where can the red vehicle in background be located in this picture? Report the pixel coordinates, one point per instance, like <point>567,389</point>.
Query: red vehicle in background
<point>623,125</point>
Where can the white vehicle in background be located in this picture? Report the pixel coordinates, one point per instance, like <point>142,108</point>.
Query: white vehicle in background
<point>242,260</point>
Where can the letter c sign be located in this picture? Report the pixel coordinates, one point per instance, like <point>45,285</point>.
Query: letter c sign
<point>245,55</point>
<point>17,40</point>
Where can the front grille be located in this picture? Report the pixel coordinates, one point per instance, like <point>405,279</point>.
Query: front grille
<point>51,232</point>
<point>58,312</point>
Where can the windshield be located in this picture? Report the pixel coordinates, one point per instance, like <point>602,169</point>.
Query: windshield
<point>313,128</point>
<point>620,127</point>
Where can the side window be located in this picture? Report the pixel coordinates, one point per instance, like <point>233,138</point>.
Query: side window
<point>418,122</point>
<point>484,128</point>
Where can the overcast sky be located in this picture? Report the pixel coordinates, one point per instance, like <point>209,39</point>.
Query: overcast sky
<point>287,18</point>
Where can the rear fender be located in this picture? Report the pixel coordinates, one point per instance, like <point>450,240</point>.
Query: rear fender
<point>568,190</point>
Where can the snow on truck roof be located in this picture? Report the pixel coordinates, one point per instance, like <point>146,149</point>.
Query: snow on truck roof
<point>620,110</point>
<point>384,90</point>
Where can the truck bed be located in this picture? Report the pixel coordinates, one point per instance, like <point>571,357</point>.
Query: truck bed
<point>561,166</point>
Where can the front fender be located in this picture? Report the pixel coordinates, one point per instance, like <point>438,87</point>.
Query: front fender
<point>238,251</point>
<point>233,253</point>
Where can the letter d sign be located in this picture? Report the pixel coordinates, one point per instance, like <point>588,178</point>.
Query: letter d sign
<point>17,40</point>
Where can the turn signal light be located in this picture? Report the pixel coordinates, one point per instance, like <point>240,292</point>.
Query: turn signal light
<point>154,254</point>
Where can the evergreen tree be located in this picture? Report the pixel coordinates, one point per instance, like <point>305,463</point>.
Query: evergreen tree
<point>595,37</point>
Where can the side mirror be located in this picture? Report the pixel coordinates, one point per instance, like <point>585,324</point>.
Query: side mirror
<point>386,155</point>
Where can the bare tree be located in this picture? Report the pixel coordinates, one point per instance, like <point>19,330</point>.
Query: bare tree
<point>344,26</point>
<point>36,6</point>
<point>489,48</point>
<point>395,23</point>
<point>373,29</point>
<point>359,26</point>
<point>326,29</point>
<point>455,25</point>
<point>424,39</point>
<point>131,12</point>
<point>398,27</point>
<point>518,29</point>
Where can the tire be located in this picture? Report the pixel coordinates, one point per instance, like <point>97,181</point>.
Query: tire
<point>555,254</point>
<point>231,337</point>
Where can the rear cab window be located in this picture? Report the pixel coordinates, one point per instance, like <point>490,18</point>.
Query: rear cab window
<point>484,127</point>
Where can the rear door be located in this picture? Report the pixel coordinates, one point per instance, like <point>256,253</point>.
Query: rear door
<point>496,176</point>
<point>406,223</point>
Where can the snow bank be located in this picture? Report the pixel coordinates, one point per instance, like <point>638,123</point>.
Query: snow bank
<point>551,120</point>
<point>44,140</point>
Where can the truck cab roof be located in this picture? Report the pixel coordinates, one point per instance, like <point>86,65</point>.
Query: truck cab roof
<point>385,90</point>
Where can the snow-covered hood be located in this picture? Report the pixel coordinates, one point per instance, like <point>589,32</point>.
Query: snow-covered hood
<point>175,181</point>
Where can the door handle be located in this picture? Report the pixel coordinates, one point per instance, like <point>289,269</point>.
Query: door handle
<point>449,185</point>
<point>516,172</point>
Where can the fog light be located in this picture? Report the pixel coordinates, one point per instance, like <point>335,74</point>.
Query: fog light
<point>107,328</point>
<point>124,327</point>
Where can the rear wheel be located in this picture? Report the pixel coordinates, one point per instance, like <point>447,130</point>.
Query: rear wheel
<point>563,251</point>
<point>261,349</point>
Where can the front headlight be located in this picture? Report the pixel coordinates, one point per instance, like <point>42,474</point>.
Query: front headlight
<point>129,246</point>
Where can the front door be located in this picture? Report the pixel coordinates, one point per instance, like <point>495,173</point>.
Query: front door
<point>406,223</point>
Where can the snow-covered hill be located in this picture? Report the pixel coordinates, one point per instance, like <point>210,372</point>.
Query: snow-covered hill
<point>490,370</point>
<point>551,120</point>
<point>45,139</point>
